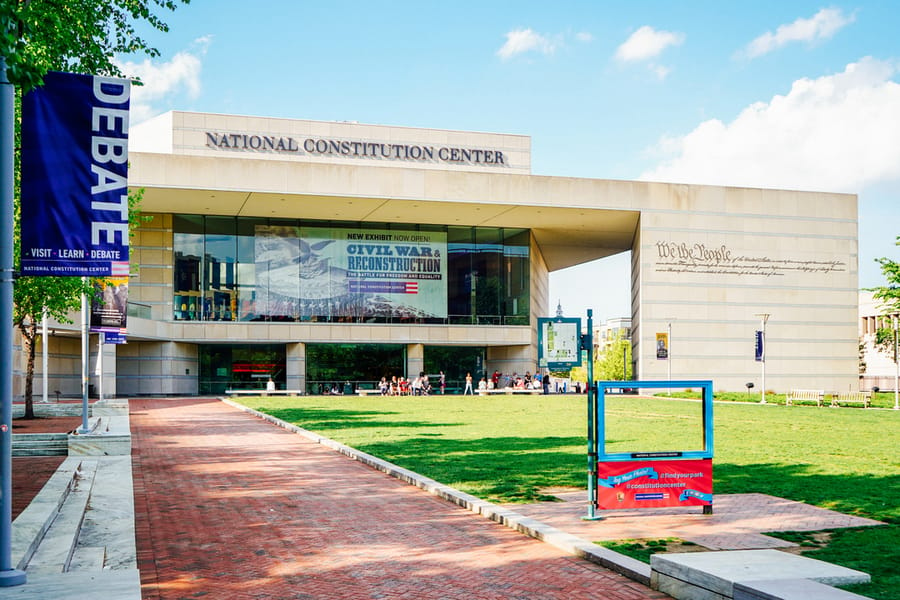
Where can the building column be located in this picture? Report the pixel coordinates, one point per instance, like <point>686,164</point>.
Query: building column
<point>415,360</point>
<point>296,367</point>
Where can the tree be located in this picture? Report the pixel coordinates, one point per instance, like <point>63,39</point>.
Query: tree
<point>890,299</point>
<point>81,36</point>
<point>890,293</point>
<point>615,360</point>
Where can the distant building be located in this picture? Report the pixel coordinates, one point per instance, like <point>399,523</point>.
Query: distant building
<point>877,367</point>
<point>608,332</point>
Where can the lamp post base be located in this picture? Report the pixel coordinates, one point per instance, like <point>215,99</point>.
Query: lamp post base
<point>11,578</point>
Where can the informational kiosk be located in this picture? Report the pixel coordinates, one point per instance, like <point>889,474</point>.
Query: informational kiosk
<point>659,478</point>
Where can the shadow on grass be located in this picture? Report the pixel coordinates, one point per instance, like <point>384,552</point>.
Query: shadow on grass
<point>325,420</point>
<point>499,469</point>
<point>863,495</point>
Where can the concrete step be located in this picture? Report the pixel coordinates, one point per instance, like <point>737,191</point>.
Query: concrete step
<point>55,549</point>
<point>40,444</point>
<point>88,559</point>
<point>38,437</point>
<point>42,451</point>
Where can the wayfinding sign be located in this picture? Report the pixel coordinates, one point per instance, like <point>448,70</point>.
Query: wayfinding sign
<point>559,342</point>
<point>75,176</point>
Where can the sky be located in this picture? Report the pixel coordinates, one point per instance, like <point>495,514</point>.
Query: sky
<point>769,94</point>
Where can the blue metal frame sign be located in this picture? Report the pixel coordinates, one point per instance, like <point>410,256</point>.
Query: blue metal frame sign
<point>75,176</point>
<point>706,388</point>
<point>559,342</point>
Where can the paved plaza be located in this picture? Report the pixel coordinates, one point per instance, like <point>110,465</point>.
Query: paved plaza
<point>228,505</point>
<point>234,507</point>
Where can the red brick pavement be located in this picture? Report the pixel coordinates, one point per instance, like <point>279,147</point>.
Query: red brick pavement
<point>230,507</point>
<point>30,473</point>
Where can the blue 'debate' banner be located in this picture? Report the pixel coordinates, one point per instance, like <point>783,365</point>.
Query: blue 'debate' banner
<point>75,176</point>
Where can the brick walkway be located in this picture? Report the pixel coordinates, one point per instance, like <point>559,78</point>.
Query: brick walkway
<point>230,507</point>
<point>738,522</point>
<point>30,473</point>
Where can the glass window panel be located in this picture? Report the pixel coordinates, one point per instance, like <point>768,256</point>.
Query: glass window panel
<point>517,267</point>
<point>486,271</point>
<point>460,249</point>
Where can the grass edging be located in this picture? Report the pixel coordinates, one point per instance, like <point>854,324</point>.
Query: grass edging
<point>624,565</point>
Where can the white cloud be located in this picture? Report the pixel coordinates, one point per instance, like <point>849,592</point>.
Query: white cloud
<point>835,133</point>
<point>647,43</point>
<point>521,41</point>
<point>820,26</point>
<point>584,36</point>
<point>162,81</point>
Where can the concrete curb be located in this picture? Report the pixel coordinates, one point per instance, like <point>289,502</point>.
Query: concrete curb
<point>624,565</point>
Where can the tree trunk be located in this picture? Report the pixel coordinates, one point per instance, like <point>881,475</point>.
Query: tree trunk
<point>28,334</point>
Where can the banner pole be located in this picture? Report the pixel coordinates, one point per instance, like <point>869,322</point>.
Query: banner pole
<point>8,575</point>
<point>85,359</point>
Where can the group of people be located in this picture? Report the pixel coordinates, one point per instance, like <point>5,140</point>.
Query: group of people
<point>403,386</point>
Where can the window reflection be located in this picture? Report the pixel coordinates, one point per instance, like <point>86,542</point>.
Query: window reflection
<point>256,269</point>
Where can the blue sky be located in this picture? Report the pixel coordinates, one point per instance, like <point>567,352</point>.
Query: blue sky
<point>796,95</point>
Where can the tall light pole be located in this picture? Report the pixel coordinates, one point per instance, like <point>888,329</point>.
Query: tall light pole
<point>762,359</point>
<point>896,368</point>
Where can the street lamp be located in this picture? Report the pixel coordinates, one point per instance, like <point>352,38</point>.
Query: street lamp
<point>896,368</point>
<point>762,355</point>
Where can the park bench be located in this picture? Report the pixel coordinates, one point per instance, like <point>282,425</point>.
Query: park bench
<point>509,391</point>
<point>804,397</point>
<point>264,392</point>
<point>367,392</point>
<point>864,398</point>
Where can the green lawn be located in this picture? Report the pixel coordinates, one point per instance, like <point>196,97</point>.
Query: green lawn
<point>506,449</point>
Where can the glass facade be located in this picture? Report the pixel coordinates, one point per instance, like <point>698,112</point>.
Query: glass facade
<point>240,366</point>
<point>256,269</point>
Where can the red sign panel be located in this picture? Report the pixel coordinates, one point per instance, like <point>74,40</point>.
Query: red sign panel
<point>654,483</point>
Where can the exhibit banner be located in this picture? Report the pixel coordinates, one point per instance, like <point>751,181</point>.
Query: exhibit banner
<point>662,346</point>
<point>312,271</point>
<point>760,346</point>
<point>654,483</point>
<point>109,309</point>
<point>74,208</point>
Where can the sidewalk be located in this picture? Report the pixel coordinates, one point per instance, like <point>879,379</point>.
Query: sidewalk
<point>230,506</point>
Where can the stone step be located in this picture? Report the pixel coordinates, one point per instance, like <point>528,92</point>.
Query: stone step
<point>90,558</point>
<point>40,444</point>
<point>55,549</point>
<point>38,437</point>
<point>42,451</point>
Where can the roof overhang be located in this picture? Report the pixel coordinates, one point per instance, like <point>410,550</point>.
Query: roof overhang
<point>567,231</point>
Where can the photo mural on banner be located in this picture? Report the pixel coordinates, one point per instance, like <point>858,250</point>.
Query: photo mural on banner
<point>109,309</point>
<point>74,208</point>
<point>314,271</point>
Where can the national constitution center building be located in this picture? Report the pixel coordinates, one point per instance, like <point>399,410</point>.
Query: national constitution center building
<point>319,253</point>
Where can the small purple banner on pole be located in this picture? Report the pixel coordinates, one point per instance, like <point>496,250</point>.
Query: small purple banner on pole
<point>75,176</point>
<point>760,346</point>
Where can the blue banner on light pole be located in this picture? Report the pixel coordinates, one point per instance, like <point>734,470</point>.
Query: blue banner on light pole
<point>760,346</point>
<point>75,176</point>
